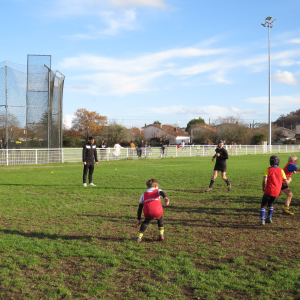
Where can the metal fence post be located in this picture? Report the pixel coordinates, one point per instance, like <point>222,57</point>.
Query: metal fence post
<point>36,156</point>
<point>62,155</point>
<point>6,156</point>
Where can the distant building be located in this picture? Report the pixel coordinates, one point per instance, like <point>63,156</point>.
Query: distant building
<point>285,134</point>
<point>167,132</point>
<point>297,135</point>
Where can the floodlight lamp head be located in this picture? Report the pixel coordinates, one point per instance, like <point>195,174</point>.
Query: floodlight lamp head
<point>268,18</point>
<point>263,24</point>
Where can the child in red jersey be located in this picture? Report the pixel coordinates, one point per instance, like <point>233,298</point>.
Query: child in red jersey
<point>151,206</point>
<point>289,169</point>
<point>271,187</point>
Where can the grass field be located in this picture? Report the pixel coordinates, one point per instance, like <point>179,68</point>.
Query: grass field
<point>59,240</point>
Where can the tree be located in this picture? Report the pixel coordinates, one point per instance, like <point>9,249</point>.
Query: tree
<point>88,123</point>
<point>156,122</point>
<point>116,133</point>
<point>194,123</point>
<point>259,137</point>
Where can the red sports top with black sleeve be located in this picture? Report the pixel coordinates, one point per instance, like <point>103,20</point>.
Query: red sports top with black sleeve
<point>274,176</point>
<point>152,206</point>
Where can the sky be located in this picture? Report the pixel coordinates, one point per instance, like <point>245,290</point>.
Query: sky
<point>138,61</point>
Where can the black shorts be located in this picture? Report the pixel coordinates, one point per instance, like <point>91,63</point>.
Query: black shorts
<point>220,168</point>
<point>284,186</point>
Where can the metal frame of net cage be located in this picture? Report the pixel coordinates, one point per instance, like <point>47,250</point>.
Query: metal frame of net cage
<point>31,100</point>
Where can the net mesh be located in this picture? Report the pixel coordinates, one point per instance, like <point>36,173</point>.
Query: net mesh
<point>30,104</point>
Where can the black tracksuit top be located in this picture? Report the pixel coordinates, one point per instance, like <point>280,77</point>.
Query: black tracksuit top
<point>221,160</point>
<point>89,153</point>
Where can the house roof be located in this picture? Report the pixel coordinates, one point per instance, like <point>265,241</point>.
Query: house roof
<point>206,127</point>
<point>297,136</point>
<point>170,129</point>
<point>282,128</point>
<point>135,130</point>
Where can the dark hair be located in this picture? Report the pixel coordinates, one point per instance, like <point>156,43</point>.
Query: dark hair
<point>220,141</point>
<point>274,160</point>
<point>91,138</point>
<point>151,183</point>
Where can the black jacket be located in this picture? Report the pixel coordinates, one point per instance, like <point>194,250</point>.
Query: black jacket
<point>221,160</point>
<point>89,153</point>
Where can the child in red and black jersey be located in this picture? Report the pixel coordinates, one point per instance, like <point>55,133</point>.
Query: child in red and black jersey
<point>220,166</point>
<point>289,169</point>
<point>271,187</point>
<point>151,206</point>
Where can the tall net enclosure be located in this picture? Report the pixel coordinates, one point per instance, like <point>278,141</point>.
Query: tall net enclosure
<point>30,104</point>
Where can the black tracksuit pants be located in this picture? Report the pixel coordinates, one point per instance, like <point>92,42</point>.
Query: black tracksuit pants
<point>88,167</point>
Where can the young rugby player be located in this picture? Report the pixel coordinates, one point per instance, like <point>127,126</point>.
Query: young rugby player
<point>271,186</point>
<point>151,206</point>
<point>221,155</point>
<point>289,169</point>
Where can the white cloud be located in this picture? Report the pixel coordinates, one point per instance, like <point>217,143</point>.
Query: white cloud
<point>285,77</point>
<point>67,121</point>
<point>69,8</point>
<point>138,3</point>
<point>212,110</point>
<point>118,84</point>
<point>142,63</point>
<point>294,41</point>
<point>243,111</point>
<point>108,16</point>
<point>219,77</point>
<point>277,101</point>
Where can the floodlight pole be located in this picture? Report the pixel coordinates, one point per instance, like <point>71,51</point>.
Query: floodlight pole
<point>269,24</point>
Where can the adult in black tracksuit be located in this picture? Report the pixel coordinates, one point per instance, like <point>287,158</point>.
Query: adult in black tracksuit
<point>221,155</point>
<point>89,155</point>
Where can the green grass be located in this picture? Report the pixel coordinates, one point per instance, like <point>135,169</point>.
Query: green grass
<point>59,240</point>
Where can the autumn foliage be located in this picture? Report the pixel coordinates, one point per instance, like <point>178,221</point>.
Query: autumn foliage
<point>88,123</point>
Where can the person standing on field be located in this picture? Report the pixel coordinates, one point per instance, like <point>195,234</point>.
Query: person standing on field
<point>89,155</point>
<point>289,169</point>
<point>220,166</point>
<point>271,186</point>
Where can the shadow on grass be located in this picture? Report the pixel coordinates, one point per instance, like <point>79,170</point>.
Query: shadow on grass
<point>215,211</point>
<point>41,235</point>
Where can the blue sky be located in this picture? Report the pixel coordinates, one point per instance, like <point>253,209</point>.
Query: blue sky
<point>137,61</point>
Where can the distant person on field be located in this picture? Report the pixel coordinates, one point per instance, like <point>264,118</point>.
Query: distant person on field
<point>117,150</point>
<point>102,150</point>
<point>151,206</point>
<point>220,166</point>
<point>271,186</point>
<point>89,155</point>
<point>132,148</point>
<point>289,169</point>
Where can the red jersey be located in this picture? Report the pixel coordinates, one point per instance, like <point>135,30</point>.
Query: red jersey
<point>285,169</point>
<point>152,206</point>
<point>275,176</point>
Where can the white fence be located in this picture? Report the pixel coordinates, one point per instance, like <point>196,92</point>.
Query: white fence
<point>44,156</point>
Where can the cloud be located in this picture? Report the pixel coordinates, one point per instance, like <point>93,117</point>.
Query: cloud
<point>277,101</point>
<point>118,84</point>
<point>138,3</point>
<point>219,77</point>
<point>285,77</point>
<point>142,63</point>
<point>70,8</point>
<point>67,121</point>
<point>107,16</point>
<point>243,111</point>
<point>211,110</point>
<point>294,41</point>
